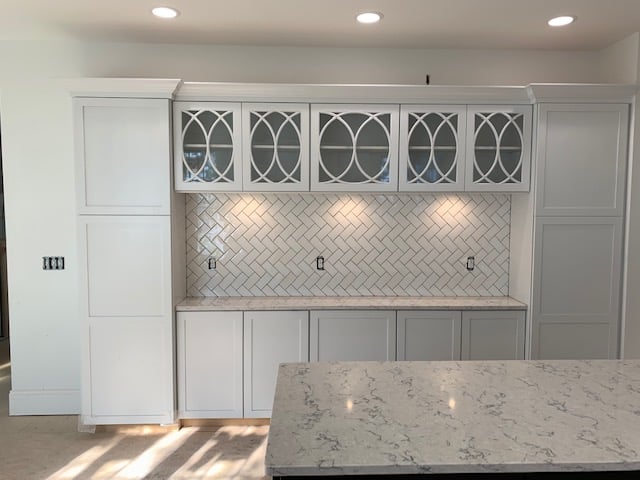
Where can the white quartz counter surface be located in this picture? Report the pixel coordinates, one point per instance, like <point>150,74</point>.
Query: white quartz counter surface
<point>455,417</point>
<point>346,303</point>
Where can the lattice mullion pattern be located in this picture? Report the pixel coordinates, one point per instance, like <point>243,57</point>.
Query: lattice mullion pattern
<point>355,171</point>
<point>432,171</point>
<point>216,174</point>
<point>276,166</point>
<point>513,124</point>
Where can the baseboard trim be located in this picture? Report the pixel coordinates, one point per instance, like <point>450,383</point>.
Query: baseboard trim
<point>223,422</point>
<point>44,402</point>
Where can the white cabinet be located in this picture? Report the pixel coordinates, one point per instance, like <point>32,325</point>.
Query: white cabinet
<point>578,240</point>
<point>275,147</point>
<point>354,148</point>
<point>432,147</point>
<point>207,146</point>
<point>499,148</point>
<point>429,335</point>
<point>270,338</point>
<point>341,335</point>
<point>126,293</point>
<point>209,346</point>
<point>576,290</point>
<point>495,335</point>
<point>123,159</point>
<point>582,157</point>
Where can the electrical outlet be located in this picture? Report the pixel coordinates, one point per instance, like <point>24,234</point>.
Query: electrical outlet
<point>320,262</point>
<point>53,263</point>
<point>471,263</point>
<point>212,263</point>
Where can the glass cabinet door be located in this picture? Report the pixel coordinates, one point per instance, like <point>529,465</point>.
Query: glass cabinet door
<point>499,145</point>
<point>207,143</point>
<point>354,148</point>
<point>275,143</point>
<point>432,147</point>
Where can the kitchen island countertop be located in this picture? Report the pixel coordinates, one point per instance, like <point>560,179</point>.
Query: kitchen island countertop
<point>394,418</point>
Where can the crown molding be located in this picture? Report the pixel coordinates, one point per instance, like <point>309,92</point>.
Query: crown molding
<point>123,87</point>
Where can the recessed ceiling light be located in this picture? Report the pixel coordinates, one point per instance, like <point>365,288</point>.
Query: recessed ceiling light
<point>369,17</point>
<point>561,21</point>
<point>165,12</point>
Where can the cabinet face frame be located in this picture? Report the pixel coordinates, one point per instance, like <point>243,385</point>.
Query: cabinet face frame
<point>316,153</point>
<point>618,160</point>
<point>302,109</point>
<point>459,132</point>
<point>158,186</point>
<point>525,159</point>
<point>235,146</point>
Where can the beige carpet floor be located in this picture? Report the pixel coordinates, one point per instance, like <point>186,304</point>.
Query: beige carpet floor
<point>50,447</point>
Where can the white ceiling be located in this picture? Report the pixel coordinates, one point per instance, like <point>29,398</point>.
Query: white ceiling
<point>330,23</point>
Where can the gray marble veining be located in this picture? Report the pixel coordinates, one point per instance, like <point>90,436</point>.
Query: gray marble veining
<point>455,417</point>
<point>346,303</point>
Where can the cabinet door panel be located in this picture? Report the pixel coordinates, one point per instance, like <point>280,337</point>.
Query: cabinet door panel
<point>429,335</point>
<point>127,265</point>
<point>499,148</point>
<point>495,335</point>
<point>270,338</point>
<point>210,364</point>
<point>275,147</point>
<point>582,152</point>
<point>123,156</point>
<point>432,148</point>
<point>207,146</point>
<point>354,148</point>
<point>577,273</point>
<point>130,371</point>
<point>337,335</point>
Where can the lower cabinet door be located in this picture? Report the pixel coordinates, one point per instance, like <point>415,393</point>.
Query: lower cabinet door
<point>495,335</point>
<point>337,335</point>
<point>129,374</point>
<point>209,364</point>
<point>429,335</point>
<point>270,338</point>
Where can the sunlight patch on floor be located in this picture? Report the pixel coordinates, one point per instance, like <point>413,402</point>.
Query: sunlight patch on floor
<point>79,464</point>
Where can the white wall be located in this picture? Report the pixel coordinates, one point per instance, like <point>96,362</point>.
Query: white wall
<point>35,117</point>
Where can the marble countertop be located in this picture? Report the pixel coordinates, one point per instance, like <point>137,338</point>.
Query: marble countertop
<point>346,303</point>
<point>455,417</point>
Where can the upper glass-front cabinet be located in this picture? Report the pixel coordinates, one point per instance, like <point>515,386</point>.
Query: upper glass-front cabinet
<point>499,148</point>
<point>207,145</point>
<point>354,147</point>
<point>432,148</point>
<point>275,145</point>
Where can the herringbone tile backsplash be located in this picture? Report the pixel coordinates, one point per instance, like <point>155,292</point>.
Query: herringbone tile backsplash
<point>267,244</point>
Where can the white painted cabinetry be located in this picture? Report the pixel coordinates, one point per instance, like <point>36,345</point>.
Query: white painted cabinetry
<point>579,211</point>
<point>354,148</point>
<point>270,338</point>
<point>128,250</point>
<point>432,147</point>
<point>352,335</point>
<point>499,148</point>
<point>109,133</point>
<point>275,147</point>
<point>207,138</point>
<point>493,335</point>
<point>429,335</point>
<point>209,348</point>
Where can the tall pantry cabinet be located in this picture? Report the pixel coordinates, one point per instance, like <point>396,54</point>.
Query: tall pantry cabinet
<point>577,231</point>
<point>128,282</point>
